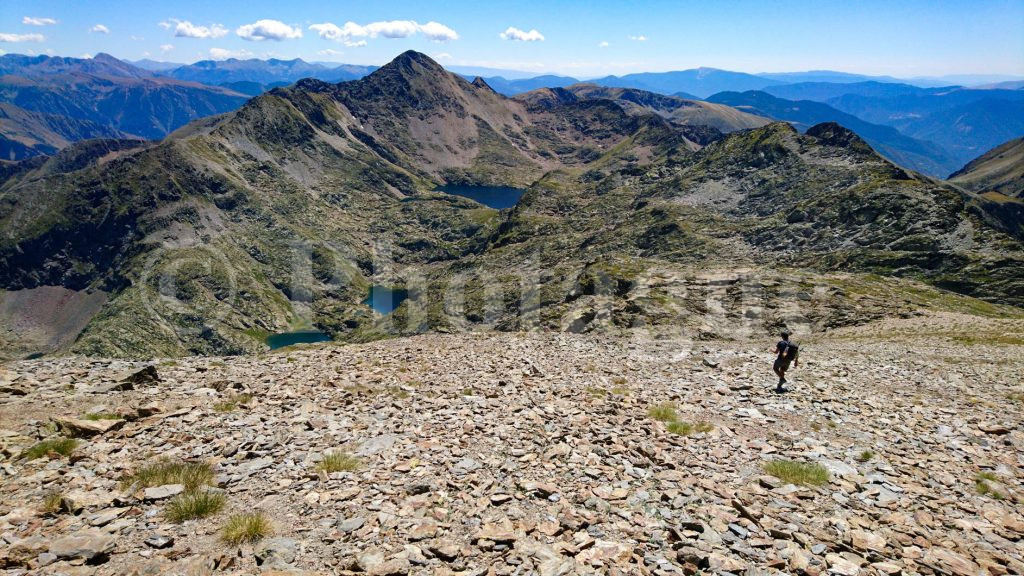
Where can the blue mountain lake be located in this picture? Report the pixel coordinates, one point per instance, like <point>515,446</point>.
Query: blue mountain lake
<point>498,197</point>
<point>283,339</point>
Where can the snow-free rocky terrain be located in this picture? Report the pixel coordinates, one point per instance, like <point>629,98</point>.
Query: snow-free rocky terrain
<point>534,454</point>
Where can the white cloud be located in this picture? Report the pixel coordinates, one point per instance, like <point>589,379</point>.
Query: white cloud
<point>166,24</point>
<point>21,37</point>
<point>640,38</point>
<point>603,44</point>
<point>442,56</point>
<point>224,54</point>
<point>350,31</point>
<point>87,56</point>
<point>165,48</point>
<point>35,21</point>
<point>330,52</point>
<point>438,32</point>
<point>100,29</point>
<point>186,29</point>
<point>514,33</point>
<point>268,30</point>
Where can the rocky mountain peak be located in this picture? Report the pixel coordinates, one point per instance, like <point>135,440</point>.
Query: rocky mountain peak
<point>835,135</point>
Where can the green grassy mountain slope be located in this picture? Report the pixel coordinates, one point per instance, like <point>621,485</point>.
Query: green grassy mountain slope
<point>1001,170</point>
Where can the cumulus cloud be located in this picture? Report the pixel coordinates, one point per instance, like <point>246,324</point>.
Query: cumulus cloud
<point>165,48</point>
<point>100,29</point>
<point>438,32</point>
<point>4,37</point>
<point>35,21</point>
<point>268,30</point>
<point>640,38</point>
<point>350,31</point>
<point>186,29</point>
<point>603,44</point>
<point>224,53</point>
<point>514,33</point>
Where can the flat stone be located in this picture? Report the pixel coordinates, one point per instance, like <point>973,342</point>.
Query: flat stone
<point>77,428</point>
<point>159,542</point>
<point>841,566</point>
<point>864,540</point>
<point>351,524</point>
<point>163,492</point>
<point>944,559</point>
<point>90,545</point>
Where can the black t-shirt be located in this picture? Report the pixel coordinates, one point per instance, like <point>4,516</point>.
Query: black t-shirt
<point>781,347</point>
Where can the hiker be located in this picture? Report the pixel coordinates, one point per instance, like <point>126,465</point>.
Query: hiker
<point>786,352</point>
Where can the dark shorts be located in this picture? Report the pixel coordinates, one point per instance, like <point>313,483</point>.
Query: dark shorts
<point>781,364</point>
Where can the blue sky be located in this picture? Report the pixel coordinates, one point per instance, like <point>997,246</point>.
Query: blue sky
<point>898,37</point>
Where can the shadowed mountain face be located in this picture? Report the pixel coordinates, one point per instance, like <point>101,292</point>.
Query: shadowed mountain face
<point>286,211</point>
<point>25,134</point>
<point>107,92</point>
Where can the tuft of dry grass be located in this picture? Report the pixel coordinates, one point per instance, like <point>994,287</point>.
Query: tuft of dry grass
<point>192,505</point>
<point>338,462</point>
<point>192,475</point>
<point>686,428</point>
<point>248,527</point>
<point>53,504</point>
<point>664,412</point>
<point>799,473</point>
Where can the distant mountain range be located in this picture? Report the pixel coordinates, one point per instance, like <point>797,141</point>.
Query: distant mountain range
<point>920,155</point>
<point>933,129</point>
<point>964,122</point>
<point>69,99</point>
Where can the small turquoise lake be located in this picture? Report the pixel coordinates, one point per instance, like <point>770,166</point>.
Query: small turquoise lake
<point>283,339</point>
<point>497,197</point>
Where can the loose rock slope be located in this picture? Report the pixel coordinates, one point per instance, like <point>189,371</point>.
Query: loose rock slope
<point>534,454</point>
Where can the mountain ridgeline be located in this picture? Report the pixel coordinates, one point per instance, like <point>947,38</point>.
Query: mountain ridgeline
<point>639,210</point>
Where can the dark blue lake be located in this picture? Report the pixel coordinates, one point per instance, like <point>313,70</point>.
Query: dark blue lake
<point>498,197</point>
<point>384,299</point>
<point>283,339</point>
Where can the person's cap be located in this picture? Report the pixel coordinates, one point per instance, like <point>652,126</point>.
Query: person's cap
<point>785,333</point>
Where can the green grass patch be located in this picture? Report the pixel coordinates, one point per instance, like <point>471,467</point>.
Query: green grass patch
<point>686,428</point>
<point>981,484</point>
<point>596,392</point>
<point>193,475</point>
<point>249,527</point>
<point>51,447</point>
<point>799,473</point>
<point>865,456</point>
<point>192,505</point>
<point>94,416</point>
<point>664,412</point>
<point>338,462</point>
<point>230,404</point>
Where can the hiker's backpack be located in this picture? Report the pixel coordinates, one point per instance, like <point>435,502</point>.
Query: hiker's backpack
<point>793,350</point>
